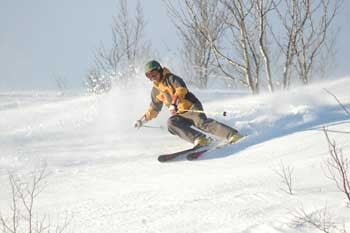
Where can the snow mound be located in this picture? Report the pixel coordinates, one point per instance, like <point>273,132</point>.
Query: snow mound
<point>105,172</point>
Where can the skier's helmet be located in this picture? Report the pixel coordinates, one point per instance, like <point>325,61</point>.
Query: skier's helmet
<point>152,65</point>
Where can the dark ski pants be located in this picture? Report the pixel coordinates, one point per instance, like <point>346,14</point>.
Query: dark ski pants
<point>180,125</point>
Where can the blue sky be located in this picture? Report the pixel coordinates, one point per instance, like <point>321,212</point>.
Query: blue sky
<point>43,38</point>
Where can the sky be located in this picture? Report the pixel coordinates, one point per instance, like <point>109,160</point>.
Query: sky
<point>44,39</point>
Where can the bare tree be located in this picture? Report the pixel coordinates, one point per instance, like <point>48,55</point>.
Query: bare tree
<point>191,18</point>
<point>241,37</point>
<point>242,50</point>
<point>285,173</point>
<point>262,10</point>
<point>314,35</point>
<point>129,48</point>
<point>248,40</point>
<point>292,20</point>
<point>22,216</point>
<point>306,25</point>
<point>338,167</point>
<point>320,219</point>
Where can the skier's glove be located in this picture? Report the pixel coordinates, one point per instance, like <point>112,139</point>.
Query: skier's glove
<point>173,109</point>
<point>138,124</point>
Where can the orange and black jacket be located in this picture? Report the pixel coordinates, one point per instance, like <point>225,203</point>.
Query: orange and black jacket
<point>170,87</point>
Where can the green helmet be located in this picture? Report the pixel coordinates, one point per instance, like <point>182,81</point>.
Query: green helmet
<point>152,65</point>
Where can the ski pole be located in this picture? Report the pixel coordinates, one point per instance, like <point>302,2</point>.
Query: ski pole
<point>224,113</point>
<point>143,120</point>
<point>152,127</point>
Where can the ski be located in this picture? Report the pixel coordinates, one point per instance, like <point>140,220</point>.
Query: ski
<point>183,153</point>
<point>216,146</point>
<point>196,154</point>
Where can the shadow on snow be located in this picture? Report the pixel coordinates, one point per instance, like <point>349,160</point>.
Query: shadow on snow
<point>286,125</point>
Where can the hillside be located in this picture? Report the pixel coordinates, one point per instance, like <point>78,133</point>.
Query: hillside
<point>105,174</point>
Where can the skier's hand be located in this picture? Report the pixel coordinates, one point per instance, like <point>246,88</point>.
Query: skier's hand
<point>138,124</point>
<point>173,109</point>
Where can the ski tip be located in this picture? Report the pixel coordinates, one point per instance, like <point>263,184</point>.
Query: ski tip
<point>163,159</point>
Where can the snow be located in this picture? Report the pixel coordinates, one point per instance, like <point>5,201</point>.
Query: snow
<point>105,173</point>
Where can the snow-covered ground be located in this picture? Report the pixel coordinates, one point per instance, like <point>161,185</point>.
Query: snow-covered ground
<point>106,175</point>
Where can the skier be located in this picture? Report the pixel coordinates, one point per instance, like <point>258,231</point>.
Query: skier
<point>172,91</point>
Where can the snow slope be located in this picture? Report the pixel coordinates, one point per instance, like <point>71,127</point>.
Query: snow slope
<point>105,173</point>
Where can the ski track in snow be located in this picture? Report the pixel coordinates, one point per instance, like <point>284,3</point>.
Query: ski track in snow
<point>106,175</point>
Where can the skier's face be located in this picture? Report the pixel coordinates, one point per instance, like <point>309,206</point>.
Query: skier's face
<point>153,75</point>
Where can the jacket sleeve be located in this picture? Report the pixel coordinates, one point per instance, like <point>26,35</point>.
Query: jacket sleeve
<point>179,86</point>
<point>155,106</point>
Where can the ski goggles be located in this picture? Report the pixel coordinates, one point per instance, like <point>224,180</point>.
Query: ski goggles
<point>152,74</point>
